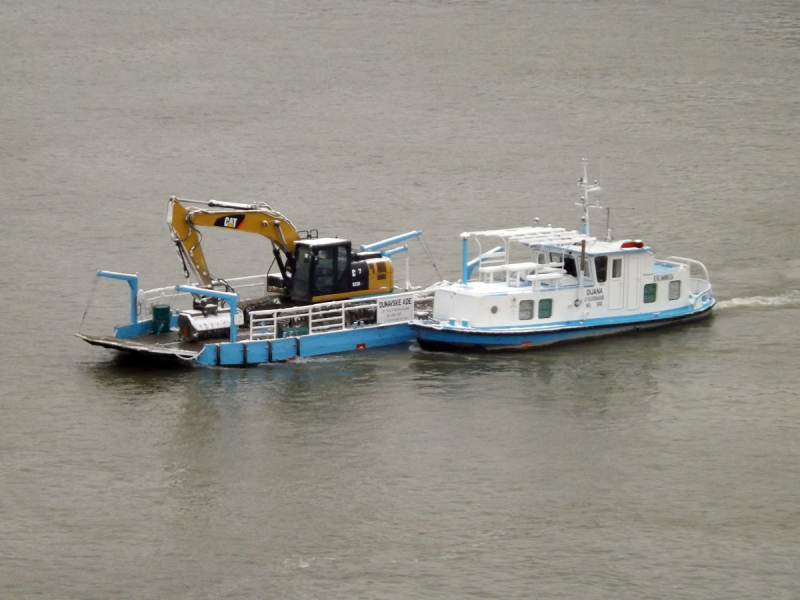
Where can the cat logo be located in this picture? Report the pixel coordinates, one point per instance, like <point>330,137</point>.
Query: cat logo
<point>231,221</point>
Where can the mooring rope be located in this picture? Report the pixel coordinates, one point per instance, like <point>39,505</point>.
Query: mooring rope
<point>430,256</point>
<point>91,296</point>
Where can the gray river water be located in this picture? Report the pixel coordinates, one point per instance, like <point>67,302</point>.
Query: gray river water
<point>660,465</point>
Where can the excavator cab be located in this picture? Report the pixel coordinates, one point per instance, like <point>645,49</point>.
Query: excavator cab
<point>326,269</point>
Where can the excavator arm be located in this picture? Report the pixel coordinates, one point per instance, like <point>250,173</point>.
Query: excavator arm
<point>185,216</point>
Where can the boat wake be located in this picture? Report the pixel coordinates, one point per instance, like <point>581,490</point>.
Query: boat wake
<point>788,299</point>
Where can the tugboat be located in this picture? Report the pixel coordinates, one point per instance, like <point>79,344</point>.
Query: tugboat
<point>560,286</point>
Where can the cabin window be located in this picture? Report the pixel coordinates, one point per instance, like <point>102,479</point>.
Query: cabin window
<point>545,308</point>
<point>541,258</point>
<point>342,261</point>
<point>556,257</point>
<point>587,268</point>
<point>569,266</point>
<point>324,271</point>
<point>650,292</point>
<point>616,268</point>
<point>526,310</point>
<point>601,268</point>
<point>302,272</point>
<point>674,290</point>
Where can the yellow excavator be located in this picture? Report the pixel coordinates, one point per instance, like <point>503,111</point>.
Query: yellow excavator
<point>312,269</point>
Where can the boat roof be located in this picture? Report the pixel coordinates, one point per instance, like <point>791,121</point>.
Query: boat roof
<point>539,236</point>
<point>552,237</point>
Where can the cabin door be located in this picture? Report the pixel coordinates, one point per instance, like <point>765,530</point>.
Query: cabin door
<point>615,297</point>
<point>633,276</point>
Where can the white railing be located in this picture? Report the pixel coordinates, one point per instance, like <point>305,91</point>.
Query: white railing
<point>166,295</point>
<point>698,287</point>
<point>252,286</point>
<point>326,317</point>
<point>691,264</point>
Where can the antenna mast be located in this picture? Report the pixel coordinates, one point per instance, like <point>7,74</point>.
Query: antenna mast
<point>587,189</point>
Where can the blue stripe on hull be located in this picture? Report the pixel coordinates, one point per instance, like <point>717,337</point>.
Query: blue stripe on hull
<point>462,339</point>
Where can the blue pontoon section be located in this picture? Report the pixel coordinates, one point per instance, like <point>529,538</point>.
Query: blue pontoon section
<point>249,352</point>
<point>256,352</point>
<point>356,339</point>
<point>281,350</point>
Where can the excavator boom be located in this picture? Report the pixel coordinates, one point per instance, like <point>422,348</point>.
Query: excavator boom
<point>311,270</point>
<point>184,216</point>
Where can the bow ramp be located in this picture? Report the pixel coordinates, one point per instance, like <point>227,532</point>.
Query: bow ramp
<point>156,350</point>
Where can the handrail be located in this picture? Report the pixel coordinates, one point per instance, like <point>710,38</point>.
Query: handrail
<point>690,262</point>
<point>327,316</point>
<point>247,287</point>
<point>495,253</point>
<point>693,281</point>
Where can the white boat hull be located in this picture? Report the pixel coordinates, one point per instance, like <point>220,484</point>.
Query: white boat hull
<point>444,337</point>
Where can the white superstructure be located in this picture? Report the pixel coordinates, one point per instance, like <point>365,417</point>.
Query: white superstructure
<point>532,285</point>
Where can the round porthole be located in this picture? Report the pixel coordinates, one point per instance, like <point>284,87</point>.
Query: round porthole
<point>494,310</point>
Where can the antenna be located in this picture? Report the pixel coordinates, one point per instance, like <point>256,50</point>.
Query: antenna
<point>587,189</point>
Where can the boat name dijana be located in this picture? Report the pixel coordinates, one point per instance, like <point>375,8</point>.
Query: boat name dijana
<point>561,286</point>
